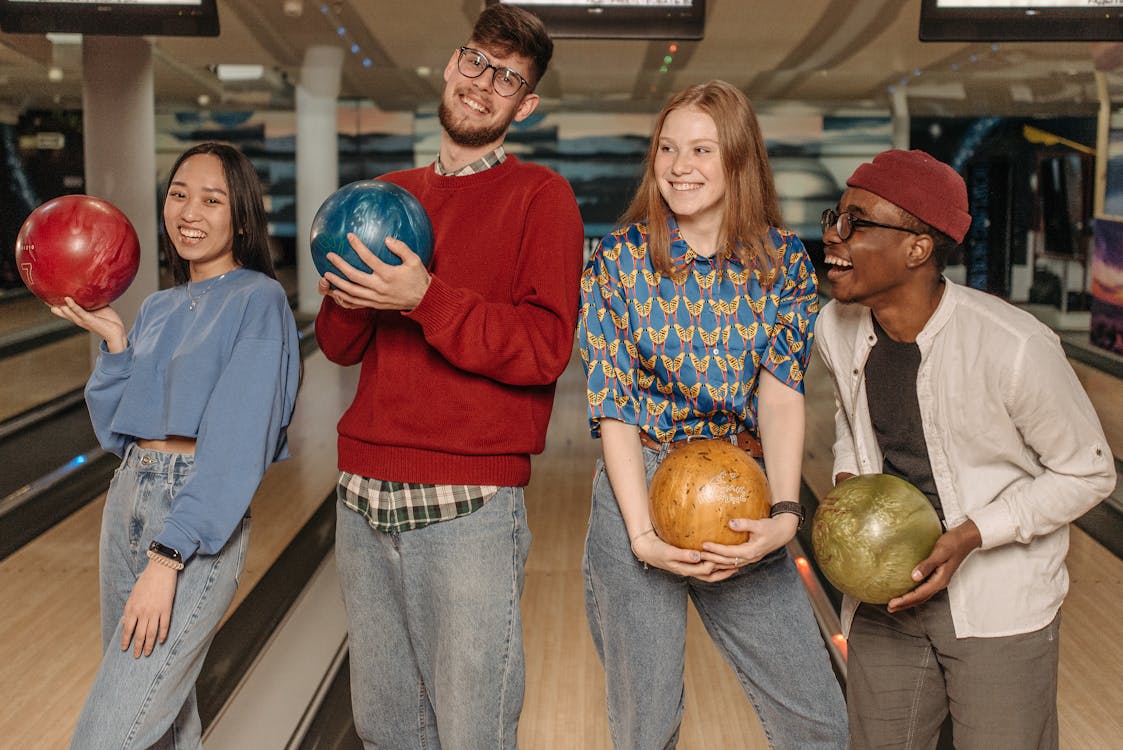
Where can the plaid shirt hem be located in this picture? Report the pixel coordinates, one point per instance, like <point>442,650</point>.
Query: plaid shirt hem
<point>485,162</point>
<point>403,506</point>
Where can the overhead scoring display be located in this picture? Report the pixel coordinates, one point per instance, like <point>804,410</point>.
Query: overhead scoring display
<point>111,17</point>
<point>1021,20</point>
<point>618,19</point>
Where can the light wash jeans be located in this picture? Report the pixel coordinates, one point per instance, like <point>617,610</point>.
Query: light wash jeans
<point>760,620</point>
<point>150,702</point>
<point>435,628</point>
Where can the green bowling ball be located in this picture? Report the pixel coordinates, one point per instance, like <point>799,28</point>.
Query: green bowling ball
<point>868,534</point>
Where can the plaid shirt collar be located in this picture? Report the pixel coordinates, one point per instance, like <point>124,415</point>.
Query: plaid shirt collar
<point>487,161</point>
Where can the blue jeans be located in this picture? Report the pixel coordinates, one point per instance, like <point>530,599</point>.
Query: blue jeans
<point>150,701</point>
<point>435,628</point>
<point>759,619</point>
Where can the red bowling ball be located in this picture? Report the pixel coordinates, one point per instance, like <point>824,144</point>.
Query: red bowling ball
<point>79,247</point>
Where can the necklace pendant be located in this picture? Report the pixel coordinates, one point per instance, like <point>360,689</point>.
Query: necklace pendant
<point>191,307</point>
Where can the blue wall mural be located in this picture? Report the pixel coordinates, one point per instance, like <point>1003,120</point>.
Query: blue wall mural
<point>600,154</point>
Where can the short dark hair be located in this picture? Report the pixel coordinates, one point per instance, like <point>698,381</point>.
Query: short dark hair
<point>513,31</point>
<point>247,212</point>
<point>943,245</point>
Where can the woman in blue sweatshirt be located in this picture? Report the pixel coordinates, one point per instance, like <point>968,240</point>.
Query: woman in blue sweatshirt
<point>196,400</point>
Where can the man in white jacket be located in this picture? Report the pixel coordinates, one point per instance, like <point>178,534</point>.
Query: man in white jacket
<point>973,401</point>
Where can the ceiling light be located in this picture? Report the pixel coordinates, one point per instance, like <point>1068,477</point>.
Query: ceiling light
<point>57,38</point>
<point>54,73</point>
<point>229,72</point>
<point>293,8</point>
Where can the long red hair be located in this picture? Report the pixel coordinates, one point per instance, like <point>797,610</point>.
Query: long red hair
<point>751,205</point>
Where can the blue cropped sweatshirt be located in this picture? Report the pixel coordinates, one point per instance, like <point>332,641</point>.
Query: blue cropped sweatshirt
<point>225,373</point>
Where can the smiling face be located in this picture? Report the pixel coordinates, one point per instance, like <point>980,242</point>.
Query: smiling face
<point>197,216</point>
<point>471,113</point>
<point>689,172</point>
<point>873,262</point>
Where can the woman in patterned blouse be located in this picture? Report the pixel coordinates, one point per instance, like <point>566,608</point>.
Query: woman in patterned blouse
<point>696,322</point>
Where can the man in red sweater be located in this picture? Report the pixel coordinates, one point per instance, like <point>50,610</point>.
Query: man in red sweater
<point>459,364</point>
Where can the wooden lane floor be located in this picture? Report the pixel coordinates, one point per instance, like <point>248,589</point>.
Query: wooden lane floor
<point>1106,394</point>
<point>48,592</point>
<point>20,311</point>
<point>45,357</point>
<point>39,375</point>
<point>49,632</point>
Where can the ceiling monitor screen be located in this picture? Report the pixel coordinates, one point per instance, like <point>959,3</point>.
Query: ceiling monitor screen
<point>1021,20</point>
<point>110,17</point>
<point>618,19</point>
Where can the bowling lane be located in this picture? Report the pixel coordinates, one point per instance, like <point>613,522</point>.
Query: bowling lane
<point>20,310</point>
<point>49,635</point>
<point>44,373</point>
<point>1106,394</point>
<point>46,357</point>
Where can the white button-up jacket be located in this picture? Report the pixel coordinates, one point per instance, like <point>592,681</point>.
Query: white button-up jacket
<point>1014,443</point>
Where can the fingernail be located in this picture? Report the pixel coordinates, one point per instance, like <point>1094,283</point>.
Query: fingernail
<point>735,524</point>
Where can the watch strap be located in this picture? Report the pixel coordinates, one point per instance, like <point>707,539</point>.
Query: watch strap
<point>788,507</point>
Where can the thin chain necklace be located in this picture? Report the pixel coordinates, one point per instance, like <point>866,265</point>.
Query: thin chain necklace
<point>195,299</point>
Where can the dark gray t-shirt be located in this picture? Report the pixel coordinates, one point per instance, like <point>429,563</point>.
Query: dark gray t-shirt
<point>891,391</point>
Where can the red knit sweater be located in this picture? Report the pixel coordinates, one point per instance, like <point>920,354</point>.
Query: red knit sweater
<point>459,390</point>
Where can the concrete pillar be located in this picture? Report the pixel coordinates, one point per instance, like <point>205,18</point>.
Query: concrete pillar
<point>901,120</point>
<point>317,157</point>
<point>119,135</point>
<point>1103,142</point>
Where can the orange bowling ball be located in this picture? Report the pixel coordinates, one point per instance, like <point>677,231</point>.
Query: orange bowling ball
<point>700,487</point>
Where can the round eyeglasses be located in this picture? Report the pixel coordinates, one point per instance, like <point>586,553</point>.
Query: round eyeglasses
<point>472,64</point>
<point>845,224</point>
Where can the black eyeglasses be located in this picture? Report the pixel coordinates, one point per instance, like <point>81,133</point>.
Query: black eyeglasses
<point>845,224</point>
<point>472,64</point>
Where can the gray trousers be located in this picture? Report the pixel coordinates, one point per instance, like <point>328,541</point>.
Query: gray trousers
<point>907,671</point>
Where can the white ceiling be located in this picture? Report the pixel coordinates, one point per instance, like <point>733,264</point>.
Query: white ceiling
<point>831,54</point>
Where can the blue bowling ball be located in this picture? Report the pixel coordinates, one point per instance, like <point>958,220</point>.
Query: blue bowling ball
<point>372,210</point>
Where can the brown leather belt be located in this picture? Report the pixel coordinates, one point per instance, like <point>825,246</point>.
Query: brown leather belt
<point>742,440</point>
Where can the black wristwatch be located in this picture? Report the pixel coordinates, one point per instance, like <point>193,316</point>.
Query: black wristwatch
<point>164,550</point>
<point>788,507</point>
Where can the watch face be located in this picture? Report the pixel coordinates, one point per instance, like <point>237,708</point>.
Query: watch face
<point>166,551</point>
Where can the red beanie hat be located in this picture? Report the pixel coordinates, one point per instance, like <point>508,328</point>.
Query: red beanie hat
<point>920,184</point>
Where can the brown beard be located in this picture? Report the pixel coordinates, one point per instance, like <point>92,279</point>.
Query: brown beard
<point>469,138</point>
